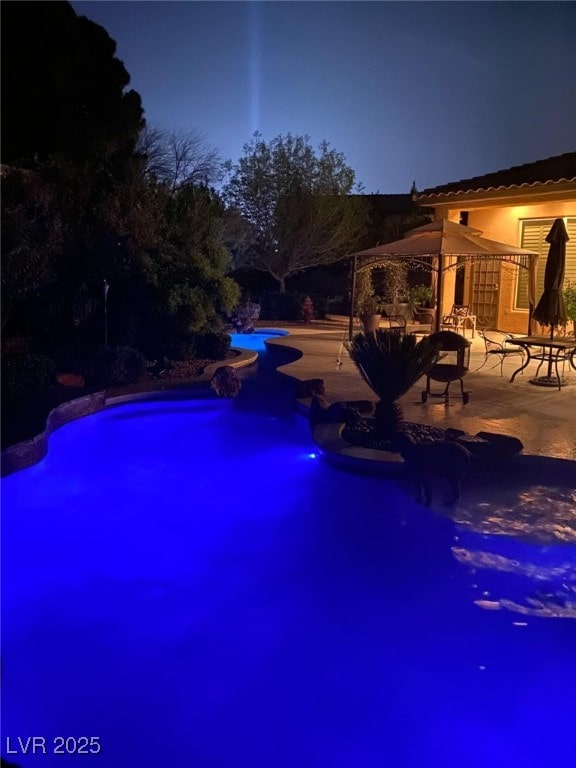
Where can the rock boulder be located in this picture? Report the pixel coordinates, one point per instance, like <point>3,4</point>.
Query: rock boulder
<point>225,382</point>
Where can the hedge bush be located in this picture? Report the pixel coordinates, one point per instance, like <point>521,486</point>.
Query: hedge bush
<point>321,306</point>
<point>177,347</point>
<point>212,346</point>
<point>26,375</point>
<point>101,367</point>
<point>288,306</point>
<point>74,359</point>
<point>281,306</point>
<point>115,367</point>
<point>195,346</point>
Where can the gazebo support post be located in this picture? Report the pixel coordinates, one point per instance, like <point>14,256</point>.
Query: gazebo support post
<point>439,289</point>
<point>352,299</point>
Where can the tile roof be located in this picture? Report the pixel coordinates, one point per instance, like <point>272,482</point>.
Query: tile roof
<point>548,171</point>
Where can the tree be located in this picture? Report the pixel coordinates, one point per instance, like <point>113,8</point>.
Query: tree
<point>393,282</point>
<point>31,236</point>
<point>178,158</point>
<point>366,302</point>
<point>63,89</point>
<point>79,205</point>
<point>185,272</point>
<point>389,217</point>
<point>297,202</point>
<point>70,129</point>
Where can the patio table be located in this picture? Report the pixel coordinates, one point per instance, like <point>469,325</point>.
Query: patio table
<point>552,351</point>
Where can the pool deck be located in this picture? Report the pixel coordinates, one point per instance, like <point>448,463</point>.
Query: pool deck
<point>543,418</point>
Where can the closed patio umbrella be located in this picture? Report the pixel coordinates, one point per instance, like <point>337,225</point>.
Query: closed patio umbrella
<point>551,310</point>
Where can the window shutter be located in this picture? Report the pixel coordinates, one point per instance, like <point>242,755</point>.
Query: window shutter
<point>533,237</point>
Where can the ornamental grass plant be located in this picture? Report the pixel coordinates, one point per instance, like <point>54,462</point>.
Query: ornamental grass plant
<point>391,363</point>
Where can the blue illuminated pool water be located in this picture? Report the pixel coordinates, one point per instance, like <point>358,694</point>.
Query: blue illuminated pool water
<point>190,583</point>
<point>257,340</point>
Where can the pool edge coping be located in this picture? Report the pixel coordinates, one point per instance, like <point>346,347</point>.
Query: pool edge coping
<point>29,452</point>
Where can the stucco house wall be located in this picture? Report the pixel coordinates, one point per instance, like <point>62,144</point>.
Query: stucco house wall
<point>543,190</point>
<point>502,222</point>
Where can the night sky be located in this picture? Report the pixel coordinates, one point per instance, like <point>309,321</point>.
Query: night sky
<point>432,92</point>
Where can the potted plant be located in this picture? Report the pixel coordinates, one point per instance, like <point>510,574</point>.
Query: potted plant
<point>391,363</point>
<point>421,299</point>
<point>421,296</point>
<point>395,290</point>
<point>569,293</point>
<point>366,302</point>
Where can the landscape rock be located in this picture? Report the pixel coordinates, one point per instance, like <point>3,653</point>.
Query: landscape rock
<point>487,448</point>
<point>225,382</point>
<point>309,388</point>
<point>336,413</point>
<point>502,446</point>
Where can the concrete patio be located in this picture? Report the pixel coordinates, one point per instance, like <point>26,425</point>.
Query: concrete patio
<point>543,418</point>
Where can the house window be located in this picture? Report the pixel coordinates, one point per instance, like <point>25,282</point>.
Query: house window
<point>533,236</point>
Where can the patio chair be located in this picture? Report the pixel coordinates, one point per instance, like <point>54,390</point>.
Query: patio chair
<point>495,348</point>
<point>394,315</point>
<point>459,317</point>
<point>425,318</point>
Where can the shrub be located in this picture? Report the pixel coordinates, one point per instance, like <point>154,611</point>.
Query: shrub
<point>116,366</point>
<point>366,302</point>
<point>288,306</point>
<point>421,296</point>
<point>212,346</point>
<point>74,359</point>
<point>392,282</point>
<point>307,310</point>
<point>569,293</point>
<point>281,306</point>
<point>177,347</point>
<point>570,302</point>
<point>25,375</point>
<point>101,367</point>
<point>321,307</point>
<point>15,345</point>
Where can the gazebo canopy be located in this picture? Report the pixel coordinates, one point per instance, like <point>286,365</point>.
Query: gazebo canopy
<point>443,245</point>
<point>443,238</point>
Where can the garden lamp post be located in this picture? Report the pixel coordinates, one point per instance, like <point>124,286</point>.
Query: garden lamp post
<point>106,288</point>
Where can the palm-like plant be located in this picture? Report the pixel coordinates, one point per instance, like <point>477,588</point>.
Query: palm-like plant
<point>391,363</point>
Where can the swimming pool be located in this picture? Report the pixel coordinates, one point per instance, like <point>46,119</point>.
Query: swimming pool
<point>191,583</point>
<point>257,340</point>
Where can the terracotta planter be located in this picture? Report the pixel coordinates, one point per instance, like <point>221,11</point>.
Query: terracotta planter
<point>400,309</point>
<point>370,323</point>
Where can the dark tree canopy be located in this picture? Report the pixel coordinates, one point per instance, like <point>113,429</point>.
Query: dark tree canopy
<point>185,272</point>
<point>63,89</point>
<point>82,203</point>
<point>179,158</point>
